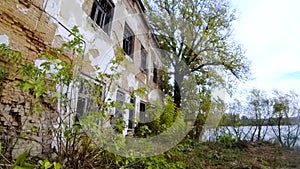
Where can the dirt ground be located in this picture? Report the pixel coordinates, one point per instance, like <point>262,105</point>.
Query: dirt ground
<point>241,156</point>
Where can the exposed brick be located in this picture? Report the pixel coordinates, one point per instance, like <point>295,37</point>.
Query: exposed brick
<point>30,31</point>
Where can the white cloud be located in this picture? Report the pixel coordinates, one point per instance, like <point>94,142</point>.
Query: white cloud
<point>269,30</point>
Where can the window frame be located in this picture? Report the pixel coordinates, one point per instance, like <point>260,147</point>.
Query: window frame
<point>128,41</point>
<point>102,13</point>
<point>131,118</point>
<point>117,113</point>
<point>142,114</point>
<point>144,57</point>
<point>84,95</point>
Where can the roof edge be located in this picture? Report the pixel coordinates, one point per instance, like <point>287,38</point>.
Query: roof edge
<point>142,5</point>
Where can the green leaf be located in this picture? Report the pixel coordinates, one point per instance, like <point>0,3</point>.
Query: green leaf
<point>48,165</point>
<point>56,95</point>
<point>26,86</point>
<point>28,165</point>
<point>56,165</point>
<point>21,159</point>
<point>41,162</point>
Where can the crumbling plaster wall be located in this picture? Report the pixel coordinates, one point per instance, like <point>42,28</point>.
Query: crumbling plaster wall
<point>100,45</point>
<point>33,26</point>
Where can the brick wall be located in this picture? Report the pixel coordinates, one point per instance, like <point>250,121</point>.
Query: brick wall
<point>27,27</point>
<point>29,31</point>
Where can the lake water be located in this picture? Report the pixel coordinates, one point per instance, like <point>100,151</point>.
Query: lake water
<point>268,133</point>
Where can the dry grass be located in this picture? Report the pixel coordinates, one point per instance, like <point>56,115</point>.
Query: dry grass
<point>242,156</point>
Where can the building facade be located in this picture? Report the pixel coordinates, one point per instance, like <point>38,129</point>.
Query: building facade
<point>33,26</point>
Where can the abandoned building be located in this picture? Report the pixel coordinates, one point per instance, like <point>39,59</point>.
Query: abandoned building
<point>33,26</point>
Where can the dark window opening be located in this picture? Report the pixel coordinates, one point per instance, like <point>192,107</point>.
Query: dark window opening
<point>155,75</point>
<point>102,14</point>
<point>144,60</point>
<point>128,41</point>
<point>131,114</point>
<point>142,112</point>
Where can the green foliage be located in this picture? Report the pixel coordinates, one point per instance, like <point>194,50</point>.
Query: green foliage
<point>45,164</point>
<point>228,140</point>
<point>164,117</point>
<point>41,80</point>
<point>160,162</point>
<point>170,114</point>
<point>139,92</point>
<point>21,162</point>
<point>145,131</point>
<point>231,120</point>
<point>75,44</point>
<point>120,125</point>
<point>11,55</point>
<point>76,149</point>
<point>198,34</point>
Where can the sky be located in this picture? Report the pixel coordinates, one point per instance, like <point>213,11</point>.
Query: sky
<point>269,31</point>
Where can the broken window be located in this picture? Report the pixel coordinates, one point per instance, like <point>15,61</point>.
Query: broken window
<point>144,59</point>
<point>102,14</point>
<point>128,41</point>
<point>89,94</point>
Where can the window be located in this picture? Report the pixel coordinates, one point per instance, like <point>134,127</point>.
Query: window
<point>143,112</point>
<point>144,60</point>
<point>102,14</point>
<point>131,114</point>
<point>120,98</point>
<point>155,75</point>
<point>88,95</point>
<point>117,121</point>
<point>128,41</point>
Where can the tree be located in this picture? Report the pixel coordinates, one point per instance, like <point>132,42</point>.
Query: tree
<point>232,120</point>
<point>197,33</point>
<point>260,107</point>
<point>286,118</point>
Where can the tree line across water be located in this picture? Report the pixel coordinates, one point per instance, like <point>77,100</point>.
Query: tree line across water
<point>275,113</point>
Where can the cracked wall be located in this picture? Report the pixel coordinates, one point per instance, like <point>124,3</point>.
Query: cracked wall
<point>100,48</point>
